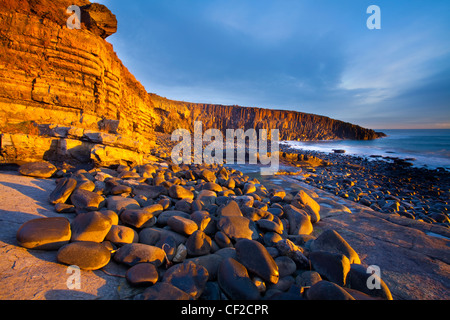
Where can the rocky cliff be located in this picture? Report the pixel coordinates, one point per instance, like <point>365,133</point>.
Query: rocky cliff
<point>292,125</point>
<point>67,80</point>
<point>64,93</point>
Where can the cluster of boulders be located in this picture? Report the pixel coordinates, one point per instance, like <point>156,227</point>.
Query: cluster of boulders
<point>384,186</point>
<point>197,232</point>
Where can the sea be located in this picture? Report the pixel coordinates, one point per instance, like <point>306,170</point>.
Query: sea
<point>430,148</point>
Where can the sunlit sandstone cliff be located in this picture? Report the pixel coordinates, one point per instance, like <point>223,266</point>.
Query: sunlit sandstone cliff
<point>64,94</point>
<point>292,125</point>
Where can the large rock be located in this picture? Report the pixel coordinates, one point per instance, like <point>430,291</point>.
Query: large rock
<point>120,235</point>
<point>234,280</point>
<point>299,221</point>
<point>90,226</point>
<point>229,209</point>
<point>118,203</point>
<point>44,233</point>
<point>179,192</point>
<point>63,190</point>
<point>85,255</point>
<point>189,277</point>
<point>99,19</point>
<point>311,206</point>
<point>163,291</point>
<point>198,244</point>
<point>325,290</point>
<point>254,256</point>
<point>331,241</point>
<point>87,200</point>
<point>236,227</point>
<point>332,266</point>
<point>142,274</point>
<point>358,278</point>
<point>182,225</point>
<point>134,253</point>
<point>38,169</point>
<point>138,218</point>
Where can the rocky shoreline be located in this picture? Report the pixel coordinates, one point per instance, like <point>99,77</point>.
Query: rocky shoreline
<point>196,232</point>
<point>387,185</point>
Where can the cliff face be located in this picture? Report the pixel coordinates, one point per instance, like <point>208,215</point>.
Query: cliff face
<point>64,93</point>
<point>292,125</point>
<point>53,76</point>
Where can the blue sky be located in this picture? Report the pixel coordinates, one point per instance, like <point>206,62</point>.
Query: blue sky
<point>315,56</point>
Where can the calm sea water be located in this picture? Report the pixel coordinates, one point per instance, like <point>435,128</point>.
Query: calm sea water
<point>430,148</point>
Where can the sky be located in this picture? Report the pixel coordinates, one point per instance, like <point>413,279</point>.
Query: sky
<point>314,56</point>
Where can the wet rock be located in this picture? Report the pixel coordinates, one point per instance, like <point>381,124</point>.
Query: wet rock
<point>332,266</point>
<point>85,255</point>
<point>331,241</point>
<point>134,253</point>
<point>142,274</point>
<point>38,169</point>
<point>188,277</point>
<point>254,256</point>
<point>235,282</point>
<point>44,233</point>
<point>63,190</point>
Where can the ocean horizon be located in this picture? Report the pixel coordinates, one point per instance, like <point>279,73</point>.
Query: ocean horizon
<point>429,148</point>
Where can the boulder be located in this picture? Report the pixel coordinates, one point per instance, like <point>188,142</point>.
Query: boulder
<point>235,282</point>
<point>358,277</point>
<point>44,233</point>
<point>120,235</point>
<point>38,169</point>
<point>63,190</point>
<point>236,227</point>
<point>134,253</point>
<point>163,291</point>
<point>198,244</point>
<point>332,266</point>
<point>254,256</point>
<point>188,277</point>
<point>90,226</point>
<point>331,241</point>
<point>229,209</point>
<point>179,192</point>
<point>325,290</point>
<point>142,274</point>
<point>138,218</point>
<point>85,255</point>
<point>299,220</point>
<point>311,205</point>
<point>87,200</point>
<point>118,203</point>
<point>182,225</point>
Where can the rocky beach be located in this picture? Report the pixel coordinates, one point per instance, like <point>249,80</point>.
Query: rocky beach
<point>198,232</point>
<point>93,207</point>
